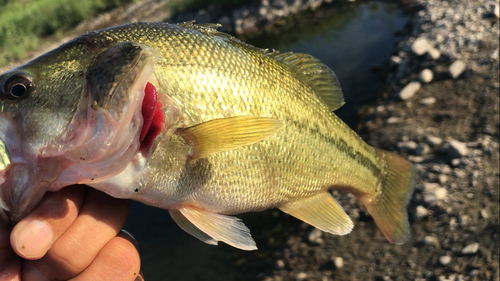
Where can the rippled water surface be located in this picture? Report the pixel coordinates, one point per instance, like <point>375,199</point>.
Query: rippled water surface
<point>351,40</point>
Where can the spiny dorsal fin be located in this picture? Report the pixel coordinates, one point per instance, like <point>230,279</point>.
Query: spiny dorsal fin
<point>306,68</point>
<point>226,134</point>
<point>314,73</point>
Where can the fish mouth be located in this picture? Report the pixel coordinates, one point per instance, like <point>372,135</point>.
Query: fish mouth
<point>97,145</point>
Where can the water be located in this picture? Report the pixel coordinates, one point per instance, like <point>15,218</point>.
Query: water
<point>350,40</point>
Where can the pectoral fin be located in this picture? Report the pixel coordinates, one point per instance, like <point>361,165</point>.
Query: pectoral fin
<point>228,133</point>
<point>322,212</point>
<point>211,228</point>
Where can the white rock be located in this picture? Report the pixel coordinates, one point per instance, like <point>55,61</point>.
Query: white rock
<point>496,10</point>
<point>443,179</point>
<point>280,264</point>
<point>421,212</point>
<point>426,75</point>
<point>395,61</point>
<point>434,53</point>
<point>420,46</point>
<point>471,249</point>
<point>430,241</point>
<point>301,276</point>
<point>422,149</point>
<point>484,214</point>
<point>456,149</point>
<point>440,193</point>
<point>430,186</point>
<point>407,145</point>
<point>409,90</point>
<point>394,120</point>
<point>433,141</point>
<point>338,262</point>
<point>315,236</point>
<point>444,260</point>
<point>428,101</point>
<point>456,69</point>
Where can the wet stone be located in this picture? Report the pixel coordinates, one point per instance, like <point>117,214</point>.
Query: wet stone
<point>471,249</point>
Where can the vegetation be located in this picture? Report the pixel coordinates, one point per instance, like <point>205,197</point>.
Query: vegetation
<point>23,22</point>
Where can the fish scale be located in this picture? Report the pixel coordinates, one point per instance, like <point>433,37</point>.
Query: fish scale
<point>245,130</point>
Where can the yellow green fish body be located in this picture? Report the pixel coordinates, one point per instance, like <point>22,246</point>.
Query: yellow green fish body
<point>243,129</point>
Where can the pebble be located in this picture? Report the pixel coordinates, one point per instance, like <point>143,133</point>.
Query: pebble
<point>456,69</point>
<point>430,241</point>
<point>395,61</point>
<point>430,186</point>
<point>440,193</point>
<point>338,262</point>
<point>471,249</point>
<point>428,101</point>
<point>421,212</point>
<point>280,264</point>
<point>426,75</point>
<point>484,214</point>
<point>422,149</point>
<point>442,179</point>
<point>433,141</point>
<point>300,276</point>
<point>456,149</point>
<point>434,53</point>
<point>420,46</point>
<point>496,10</point>
<point>409,90</point>
<point>430,199</point>
<point>444,260</point>
<point>314,236</point>
<point>394,120</point>
<point>408,146</point>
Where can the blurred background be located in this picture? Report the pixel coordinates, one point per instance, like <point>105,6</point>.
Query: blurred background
<point>448,126</point>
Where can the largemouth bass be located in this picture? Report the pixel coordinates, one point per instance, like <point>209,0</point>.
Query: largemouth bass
<point>185,118</point>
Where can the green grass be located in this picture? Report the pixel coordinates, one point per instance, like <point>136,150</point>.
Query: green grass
<point>24,22</point>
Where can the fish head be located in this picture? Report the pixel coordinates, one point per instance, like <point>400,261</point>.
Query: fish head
<point>70,116</point>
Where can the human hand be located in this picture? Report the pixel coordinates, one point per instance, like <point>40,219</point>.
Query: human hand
<point>72,234</point>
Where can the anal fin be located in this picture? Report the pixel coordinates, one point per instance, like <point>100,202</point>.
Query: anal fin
<point>211,228</point>
<point>322,212</point>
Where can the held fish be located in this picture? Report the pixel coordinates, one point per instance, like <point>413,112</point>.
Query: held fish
<point>185,118</point>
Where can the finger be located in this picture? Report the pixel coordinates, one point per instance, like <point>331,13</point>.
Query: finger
<point>33,236</point>
<point>10,263</point>
<point>118,260</point>
<point>100,219</point>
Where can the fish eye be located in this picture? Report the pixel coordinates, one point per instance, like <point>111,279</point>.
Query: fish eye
<point>17,86</point>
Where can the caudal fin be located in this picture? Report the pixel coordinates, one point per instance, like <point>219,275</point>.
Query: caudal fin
<point>388,207</point>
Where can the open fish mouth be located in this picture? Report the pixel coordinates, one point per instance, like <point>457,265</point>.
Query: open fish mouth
<point>99,142</point>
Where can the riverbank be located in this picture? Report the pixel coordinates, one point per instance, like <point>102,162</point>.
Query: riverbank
<point>441,110</point>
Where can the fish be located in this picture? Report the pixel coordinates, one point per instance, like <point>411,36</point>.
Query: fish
<point>189,119</point>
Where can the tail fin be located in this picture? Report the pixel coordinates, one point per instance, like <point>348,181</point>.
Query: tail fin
<point>388,207</point>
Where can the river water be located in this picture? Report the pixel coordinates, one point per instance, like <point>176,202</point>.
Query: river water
<point>351,39</point>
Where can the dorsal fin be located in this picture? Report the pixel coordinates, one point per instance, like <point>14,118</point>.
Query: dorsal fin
<point>314,73</point>
<point>306,68</point>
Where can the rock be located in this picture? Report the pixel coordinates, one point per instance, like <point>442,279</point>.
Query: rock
<point>444,260</point>
<point>440,193</point>
<point>314,236</point>
<point>280,264</point>
<point>442,179</point>
<point>426,75</point>
<point>434,53</point>
<point>408,146</point>
<point>430,241</point>
<point>456,69</point>
<point>471,249</point>
<point>456,162</point>
<point>421,212</point>
<point>422,149</point>
<point>430,186</point>
<point>420,46</point>
<point>409,90</point>
<point>433,141</point>
<point>428,101</point>
<point>430,199</point>
<point>300,276</point>
<point>456,149</point>
<point>484,214</point>
<point>394,120</point>
<point>338,262</point>
<point>395,61</point>
<point>496,10</point>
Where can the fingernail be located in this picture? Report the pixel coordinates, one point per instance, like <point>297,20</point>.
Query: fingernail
<point>33,239</point>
